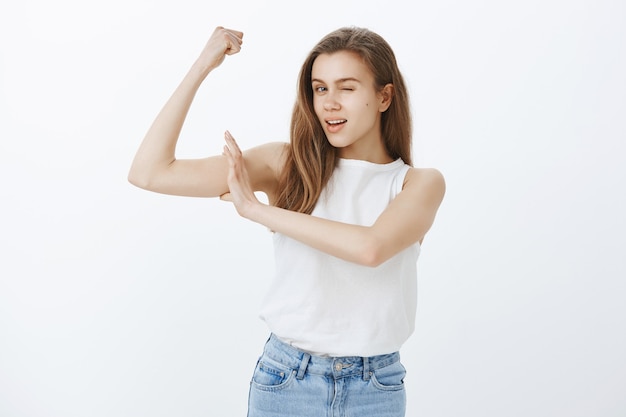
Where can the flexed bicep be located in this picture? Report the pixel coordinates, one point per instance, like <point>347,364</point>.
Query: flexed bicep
<point>208,177</point>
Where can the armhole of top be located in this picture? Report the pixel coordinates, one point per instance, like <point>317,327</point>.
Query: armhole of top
<point>400,177</point>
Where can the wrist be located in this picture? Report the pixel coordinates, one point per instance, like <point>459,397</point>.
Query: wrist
<point>255,211</point>
<point>199,71</point>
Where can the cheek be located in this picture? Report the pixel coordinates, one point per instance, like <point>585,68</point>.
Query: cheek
<point>318,108</point>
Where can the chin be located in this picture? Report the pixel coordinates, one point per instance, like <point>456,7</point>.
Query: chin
<point>337,143</point>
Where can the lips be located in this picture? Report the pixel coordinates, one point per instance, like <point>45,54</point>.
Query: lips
<point>335,125</point>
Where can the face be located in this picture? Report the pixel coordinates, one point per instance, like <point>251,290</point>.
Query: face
<point>348,105</point>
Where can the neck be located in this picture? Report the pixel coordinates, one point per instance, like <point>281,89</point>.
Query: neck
<point>375,153</point>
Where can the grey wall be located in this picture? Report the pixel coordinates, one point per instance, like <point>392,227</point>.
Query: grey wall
<point>118,302</point>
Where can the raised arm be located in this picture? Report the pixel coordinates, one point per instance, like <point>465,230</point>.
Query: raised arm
<point>155,167</point>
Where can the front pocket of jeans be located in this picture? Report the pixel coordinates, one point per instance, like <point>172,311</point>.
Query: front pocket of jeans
<point>389,378</point>
<point>269,377</point>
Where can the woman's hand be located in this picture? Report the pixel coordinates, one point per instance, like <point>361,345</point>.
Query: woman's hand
<point>240,194</point>
<point>221,43</point>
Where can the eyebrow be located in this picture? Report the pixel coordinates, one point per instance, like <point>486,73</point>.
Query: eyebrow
<point>339,81</point>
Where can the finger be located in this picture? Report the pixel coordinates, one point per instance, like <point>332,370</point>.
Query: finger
<point>231,39</point>
<point>233,32</point>
<point>235,37</point>
<point>232,143</point>
<point>233,43</point>
<point>236,33</point>
<point>226,152</point>
<point>232,162</point>
<point>231,49</point>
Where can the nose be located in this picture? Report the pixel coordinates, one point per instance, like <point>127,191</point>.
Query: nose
<point>330,102</point>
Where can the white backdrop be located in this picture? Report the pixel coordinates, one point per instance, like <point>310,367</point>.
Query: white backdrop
<point>118,302</point>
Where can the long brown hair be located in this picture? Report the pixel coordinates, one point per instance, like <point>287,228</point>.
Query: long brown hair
<point>311,159</point>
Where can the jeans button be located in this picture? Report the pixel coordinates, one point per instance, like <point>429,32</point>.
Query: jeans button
<point>338,367</point>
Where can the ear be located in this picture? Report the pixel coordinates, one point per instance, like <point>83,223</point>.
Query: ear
<point>386,95</point>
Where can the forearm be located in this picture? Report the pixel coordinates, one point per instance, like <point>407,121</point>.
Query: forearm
<point>349,242</point>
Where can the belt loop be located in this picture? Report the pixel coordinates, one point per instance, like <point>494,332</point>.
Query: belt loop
<point>366,369</point>
<point>303,364</point>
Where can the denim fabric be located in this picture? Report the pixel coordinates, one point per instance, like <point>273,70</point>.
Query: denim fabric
<point>290,382</point>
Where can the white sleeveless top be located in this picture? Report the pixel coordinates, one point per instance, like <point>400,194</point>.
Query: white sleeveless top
<point>330,307</point>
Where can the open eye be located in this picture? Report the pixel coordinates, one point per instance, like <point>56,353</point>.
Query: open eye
<point>320,89</point>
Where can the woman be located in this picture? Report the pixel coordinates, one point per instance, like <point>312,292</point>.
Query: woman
<point>348,212</point>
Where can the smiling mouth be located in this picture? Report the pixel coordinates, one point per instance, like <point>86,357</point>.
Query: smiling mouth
<point>336,122</point>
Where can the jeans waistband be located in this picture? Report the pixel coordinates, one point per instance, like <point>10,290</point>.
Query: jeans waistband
<point>336,367</point>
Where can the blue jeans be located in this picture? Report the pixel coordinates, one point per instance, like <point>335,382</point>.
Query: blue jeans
<point>290,382</point>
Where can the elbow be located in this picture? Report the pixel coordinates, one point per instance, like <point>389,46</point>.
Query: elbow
<point>139,179</point>
<point>136,179</point>
<point>147,174</point>
<point>372,254</point>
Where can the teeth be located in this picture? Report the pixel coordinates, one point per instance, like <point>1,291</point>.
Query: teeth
<point>336,122</point>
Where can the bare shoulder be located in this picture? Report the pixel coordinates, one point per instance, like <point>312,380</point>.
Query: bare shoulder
<point>426,182</point>
<point>271,155</point>
<point>430,177</point>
